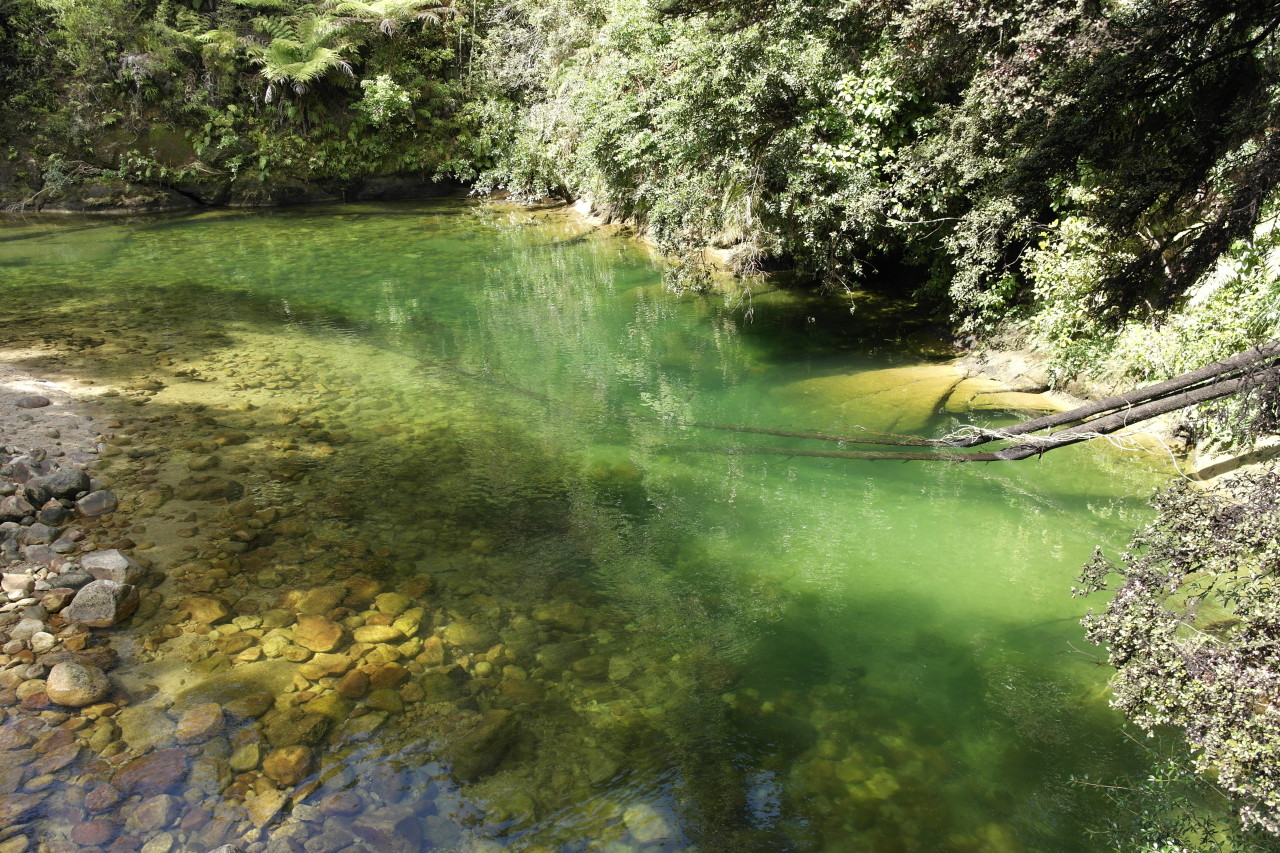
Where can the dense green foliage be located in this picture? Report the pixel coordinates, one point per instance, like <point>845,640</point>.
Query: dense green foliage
<point>214,92</point>
<point>1192,631</point>
<point>1134,141</point>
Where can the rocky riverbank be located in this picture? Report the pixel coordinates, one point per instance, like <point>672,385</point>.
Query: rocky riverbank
<point>193,657</point>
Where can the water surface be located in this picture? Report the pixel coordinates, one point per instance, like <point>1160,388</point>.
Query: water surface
<point>725,651</point>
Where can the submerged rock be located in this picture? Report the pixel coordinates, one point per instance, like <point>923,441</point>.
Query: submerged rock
<point>899,400</point>
<point>211,489</point>
<point>1014,401</point>
<point>199,724</point>
<point>646,824</point>
<point>479,751</point>
<point>296,726</point>
<point>206,609</point>
<point>288,765</point>
<point>393,829</point>
<point>317,633</point>
<point>152,774</point>
<point>265,806</point>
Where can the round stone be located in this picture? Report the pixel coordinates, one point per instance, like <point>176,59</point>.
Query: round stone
<point>77,685</point>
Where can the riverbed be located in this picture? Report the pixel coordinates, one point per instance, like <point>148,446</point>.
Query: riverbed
<point>430,483</point>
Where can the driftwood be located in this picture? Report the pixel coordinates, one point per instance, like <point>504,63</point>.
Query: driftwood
<point>1252,368</point>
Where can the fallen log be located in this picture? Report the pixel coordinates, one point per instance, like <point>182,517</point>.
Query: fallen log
<point>1250,369</point>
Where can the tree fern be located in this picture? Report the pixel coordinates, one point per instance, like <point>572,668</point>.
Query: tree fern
<point>387,16</point>
<point>299,51</point>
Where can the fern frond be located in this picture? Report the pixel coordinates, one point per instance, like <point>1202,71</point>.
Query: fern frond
<point>274,5</point>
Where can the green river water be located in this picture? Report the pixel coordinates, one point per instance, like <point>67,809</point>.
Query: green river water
<point>704,649</point>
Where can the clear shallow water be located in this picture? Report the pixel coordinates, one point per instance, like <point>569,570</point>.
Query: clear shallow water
<point>798,653</point>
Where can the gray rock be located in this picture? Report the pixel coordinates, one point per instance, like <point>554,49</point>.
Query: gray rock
<point>77,685</point>
<point>15,508</point>
<point>42,554</point>
<point>102,604</point>
<point>32,401</point>
<point>74,579</point>
<point>39,534</point>
<point>54,514</point>
<point>112,565</point>
<point>97,503</point>
<point>43,641</point>
<point>63,483</point>
<point>26,629</point>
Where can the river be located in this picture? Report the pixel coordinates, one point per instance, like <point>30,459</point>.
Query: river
<point>626,635</point>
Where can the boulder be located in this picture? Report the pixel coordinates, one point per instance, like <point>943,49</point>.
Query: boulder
<point>112,565</point>
<point>39,534</point>
<point>63,483</point>
<point>32,401</point>
<point>15,508</point>
<point>97,503</point>
<point>76,685</point>
<point>102,603</point>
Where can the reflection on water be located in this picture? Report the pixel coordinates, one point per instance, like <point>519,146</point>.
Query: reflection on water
<point>641,647</point>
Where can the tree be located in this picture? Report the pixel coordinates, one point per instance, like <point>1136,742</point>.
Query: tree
<point>298,50</point>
